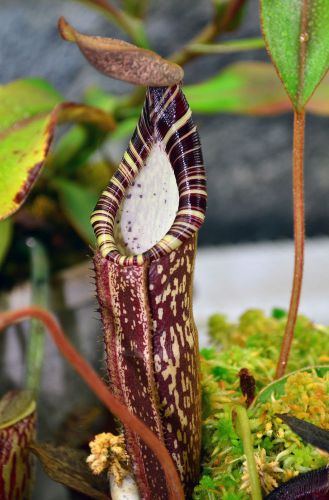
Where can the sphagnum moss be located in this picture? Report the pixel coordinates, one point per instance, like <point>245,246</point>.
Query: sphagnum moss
<point>280,454</point>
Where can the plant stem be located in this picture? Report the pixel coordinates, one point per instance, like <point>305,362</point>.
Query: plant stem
<point>209,33</point>
<point>40,297</point>
<point>227,47</point>
<point>129,24</point>
<point>243,429</point>
<point>97,385</point>
<point>299,237</point>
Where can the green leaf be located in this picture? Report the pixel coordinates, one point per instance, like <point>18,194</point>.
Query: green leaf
<point>68,466</point>
<point>77,203</point>
<point>124,129</point>
<point>29,112</point>
<point>297,37</point>
<point>276,389</point>
<point>250,88</point>
<point>15,406</point>
<point>39,276</point>
<point>95,96</point>
<point>25,99</point>
<point>6,234</point>
<point>25,134</point>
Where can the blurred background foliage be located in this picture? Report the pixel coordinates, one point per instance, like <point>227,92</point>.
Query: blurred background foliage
<point>227,72</point>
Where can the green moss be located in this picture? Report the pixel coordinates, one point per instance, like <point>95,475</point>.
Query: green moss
<point>280,454</point>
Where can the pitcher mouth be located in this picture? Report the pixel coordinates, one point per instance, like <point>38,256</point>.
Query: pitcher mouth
<point>165,122</point>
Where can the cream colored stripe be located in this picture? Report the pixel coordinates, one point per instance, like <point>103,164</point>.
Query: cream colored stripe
<point>171,98</point>
<point>133,149</point>
<point>100,218</point>
<point>130,162</point>
<point>115,181</point>
<point>140,259</point>
<point>142,138</point>
<point>126,172</point>
<point>185,152</point>
<point>155,109</point>
<point>100,212</point>
<point>181,138</point>
<point>186,211</point>
<point>202,177</point>
<point>105,249</point>
<point>194,191</point>
<point>183,223</point>
<point>104,238</point>
<point>177,125</point>
<point>107,194</point>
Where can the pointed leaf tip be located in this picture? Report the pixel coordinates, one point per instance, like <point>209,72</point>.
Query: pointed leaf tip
<point>309,432</point>
<point>122,60</point>
<point>297,38</point>
<point>66,31</point>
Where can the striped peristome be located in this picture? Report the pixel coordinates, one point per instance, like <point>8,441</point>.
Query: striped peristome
<point>146,299</point>
<point>166,118</point>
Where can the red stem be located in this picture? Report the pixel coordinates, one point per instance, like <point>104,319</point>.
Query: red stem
<point>299,237</point>
<point>101,390</point>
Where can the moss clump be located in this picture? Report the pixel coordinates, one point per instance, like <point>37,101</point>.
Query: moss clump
<point>280,454</point>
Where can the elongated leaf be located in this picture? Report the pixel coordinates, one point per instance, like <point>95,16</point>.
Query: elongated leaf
<point>68,466</point>
<point>310,433</point>
<point>250,88</point>
<point>313,485</point>
<point>77,203</point>
<point>29,112</point>
<point>25,99</point>
<point>39,275</point>
<point>6,233</point>
<point>122,60</point>
<point>277,387</point>
<point>297,37</point>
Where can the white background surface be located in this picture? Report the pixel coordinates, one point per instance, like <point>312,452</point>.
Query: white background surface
<point>235,278</point>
